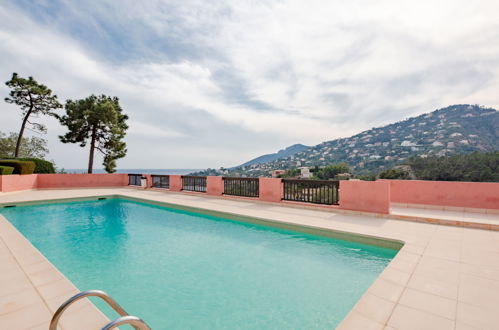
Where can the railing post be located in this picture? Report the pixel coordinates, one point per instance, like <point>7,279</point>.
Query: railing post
<point>365,196</point>
<point>175,183</point>
<point>214,185</point>
<point>148,180</point>
<point>270,189</point>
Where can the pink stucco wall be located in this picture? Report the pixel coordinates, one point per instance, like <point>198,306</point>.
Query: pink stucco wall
<point>365,196</point>
<point>214,185</point>
<point>148,180</point>
<point>17,182</point>
<point>81,180</point>
<point>484,195</point>
<point>271,190</point>
<point>175,182</point>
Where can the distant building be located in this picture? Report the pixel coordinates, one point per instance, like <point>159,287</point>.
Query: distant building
<point>305,173</point>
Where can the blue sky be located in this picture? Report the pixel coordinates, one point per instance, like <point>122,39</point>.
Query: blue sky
<point>210,84</point>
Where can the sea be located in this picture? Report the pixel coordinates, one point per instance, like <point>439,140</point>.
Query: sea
<point>166,171</point>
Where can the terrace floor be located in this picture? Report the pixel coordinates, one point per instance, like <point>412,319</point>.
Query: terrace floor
<point>481,219</point>
<point>444,277</point>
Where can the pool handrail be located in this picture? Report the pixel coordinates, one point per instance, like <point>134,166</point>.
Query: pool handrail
<point>135,322</point>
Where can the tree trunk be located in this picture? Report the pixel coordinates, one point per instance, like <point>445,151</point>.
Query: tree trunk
<point>21,132</point>
<point>92,149</point>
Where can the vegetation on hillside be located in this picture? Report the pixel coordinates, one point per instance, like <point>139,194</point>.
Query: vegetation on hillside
<point>331,171</point>
<point>457,129</point>
<point>476,166</point>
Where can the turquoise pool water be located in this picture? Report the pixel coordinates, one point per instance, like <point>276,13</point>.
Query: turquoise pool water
<point>184,270</point>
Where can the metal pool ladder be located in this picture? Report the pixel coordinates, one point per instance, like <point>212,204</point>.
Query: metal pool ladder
<point>125,318</point>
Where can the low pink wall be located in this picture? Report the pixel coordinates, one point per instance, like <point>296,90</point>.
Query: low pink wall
<point>214,185</point>
<point>271,189</point>
<point>17,182</point>
<point>175,182</point>
<point>365,196</point>
<point>81,180</point>
<point>483,195</point>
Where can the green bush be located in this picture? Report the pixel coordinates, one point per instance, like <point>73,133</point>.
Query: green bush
<point>42,165</point>
<point>20,166</point>
<point>395,174</point>
<point>6,170</point>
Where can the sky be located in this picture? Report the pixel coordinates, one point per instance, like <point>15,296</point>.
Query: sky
<point>216,83</point>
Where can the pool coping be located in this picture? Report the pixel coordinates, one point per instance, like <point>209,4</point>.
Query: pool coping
<point>394,300</point>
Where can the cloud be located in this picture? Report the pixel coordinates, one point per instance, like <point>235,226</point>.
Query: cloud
<point>214,85</point>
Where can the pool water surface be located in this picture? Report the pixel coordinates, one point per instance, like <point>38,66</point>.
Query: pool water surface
<point>184,270</point>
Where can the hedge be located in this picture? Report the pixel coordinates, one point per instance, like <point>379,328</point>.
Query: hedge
<point>20,166</point>
<point>42,166</point>
<point>6,170</point>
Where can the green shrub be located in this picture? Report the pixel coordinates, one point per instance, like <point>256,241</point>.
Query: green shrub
<point>395,174</point>
<point>6,170</point>
<point>20,166</point>
<point>42,165</point>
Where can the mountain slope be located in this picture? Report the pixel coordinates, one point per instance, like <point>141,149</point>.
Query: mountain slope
<point>289,151</point>
<point>456,129</point>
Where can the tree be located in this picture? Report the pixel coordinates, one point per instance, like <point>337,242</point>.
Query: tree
<point>34,146</point>
<point>331,171</point>
<point>99,121</point>
<point>34,99</point>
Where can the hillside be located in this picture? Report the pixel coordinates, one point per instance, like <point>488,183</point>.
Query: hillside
<point>289,151</point>
<point>456,129</point>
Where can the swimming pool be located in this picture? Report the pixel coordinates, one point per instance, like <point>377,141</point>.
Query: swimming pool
<point>179,269</point>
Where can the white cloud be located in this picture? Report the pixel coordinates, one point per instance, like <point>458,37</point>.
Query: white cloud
<point>262,73</point>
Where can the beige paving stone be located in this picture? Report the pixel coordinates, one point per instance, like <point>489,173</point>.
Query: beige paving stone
<point>375,308</point>
<point>429,303</point>
<point>45,276</point>
<point>401,264</point>
<point>43,326</point>
<point>83,318</point>
<point>478,291</point>
<point>13,285</point>
<point>55,302</point>
<point>439,269</point>
<point>406,318</point>
<point>25,318</point>
<point>482,258</point>
<point>57,288</point>
<point>430,285</point>
<point>18,300</point>
<point>444,249</point>
<point>357,321</point>
<point>386,289</point>
<point>478,317</point>
<point>10,270</point>
<point>395,275</point>
<point>462,326</point>
<point>488,272</point>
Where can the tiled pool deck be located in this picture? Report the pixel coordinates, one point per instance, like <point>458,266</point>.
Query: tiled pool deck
<point>444,277</point>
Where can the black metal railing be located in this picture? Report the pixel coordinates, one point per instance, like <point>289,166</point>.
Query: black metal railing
<point>194,183</point>
<point>160,181</point>
<point>135,179</point>
<point>247,187</point>
<point>312,191</point>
